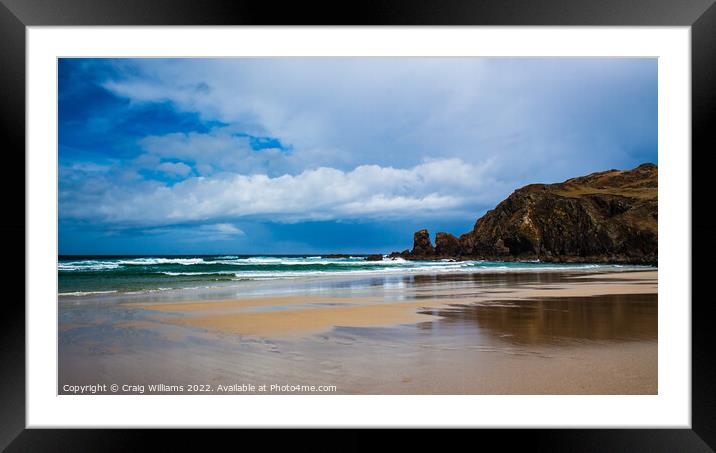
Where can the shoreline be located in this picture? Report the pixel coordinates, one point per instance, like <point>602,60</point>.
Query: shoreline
<point>289,315</point>
<point>259,283</point>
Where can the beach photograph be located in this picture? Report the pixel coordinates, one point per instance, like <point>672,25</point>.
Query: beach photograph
<point>357,226</point>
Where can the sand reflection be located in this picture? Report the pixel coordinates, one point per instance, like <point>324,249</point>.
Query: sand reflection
<point>616,317</point>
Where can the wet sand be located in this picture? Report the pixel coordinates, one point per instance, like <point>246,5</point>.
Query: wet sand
<point>527,333</point>
<point>289,315</point>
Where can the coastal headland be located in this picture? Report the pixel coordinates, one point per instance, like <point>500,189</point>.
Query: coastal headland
<point>604,217</point>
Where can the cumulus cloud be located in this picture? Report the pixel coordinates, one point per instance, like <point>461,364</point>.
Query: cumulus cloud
<point>366,192</point>
<point>226,148</point>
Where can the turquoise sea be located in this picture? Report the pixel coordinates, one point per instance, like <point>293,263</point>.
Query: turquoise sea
<point>93,275</point>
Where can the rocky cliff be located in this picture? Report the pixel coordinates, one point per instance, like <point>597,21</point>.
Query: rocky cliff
<point>609,216</point>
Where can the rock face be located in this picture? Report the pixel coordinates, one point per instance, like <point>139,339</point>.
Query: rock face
<point>608,216</point>
<point>447,245</point>
<point>422,247</point>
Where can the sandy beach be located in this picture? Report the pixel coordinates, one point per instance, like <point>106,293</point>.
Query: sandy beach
<point>503,333</point>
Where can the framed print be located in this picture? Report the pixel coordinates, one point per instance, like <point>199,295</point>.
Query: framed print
<point>238,219</point>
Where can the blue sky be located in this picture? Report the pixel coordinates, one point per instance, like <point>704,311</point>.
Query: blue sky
<point>317,155</point>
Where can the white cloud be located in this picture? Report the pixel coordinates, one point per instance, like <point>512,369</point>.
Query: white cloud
<point>368,191</point>
<point>224,228</point>
<point>224,149</point>
<point>174,168</point>
<point>217,232</point>
<point>365,105</point>
<point>197,233</point>
<point>542,119</point>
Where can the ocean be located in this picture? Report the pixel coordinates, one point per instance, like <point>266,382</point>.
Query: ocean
<point>94,275</point>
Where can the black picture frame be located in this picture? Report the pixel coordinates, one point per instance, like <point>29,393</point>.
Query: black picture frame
<point>16,15</point>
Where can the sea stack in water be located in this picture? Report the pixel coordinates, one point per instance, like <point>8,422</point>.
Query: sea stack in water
<point>609,216</point>
<point>421,244</point>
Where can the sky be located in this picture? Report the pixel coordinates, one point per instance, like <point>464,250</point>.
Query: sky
<point>320,155</point>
